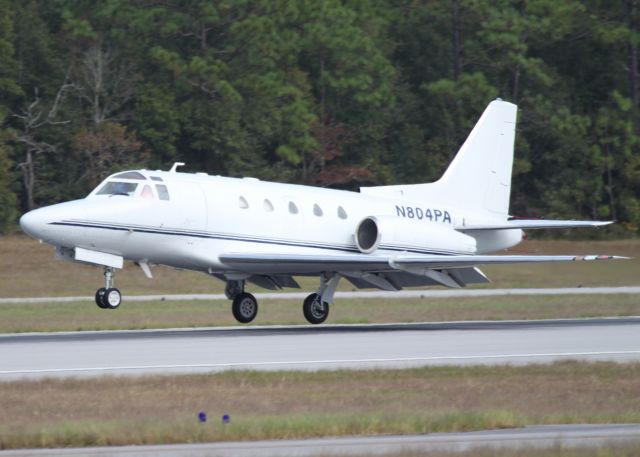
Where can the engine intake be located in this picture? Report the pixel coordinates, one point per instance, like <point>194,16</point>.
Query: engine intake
<point>368,235</point>
<point>389,232</point>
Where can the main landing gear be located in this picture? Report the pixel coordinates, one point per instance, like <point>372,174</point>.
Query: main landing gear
<point>244,305</point>
<point>108,297</point>
<point>315,307</point>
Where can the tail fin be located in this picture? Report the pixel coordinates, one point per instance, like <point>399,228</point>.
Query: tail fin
<point>479,177</point>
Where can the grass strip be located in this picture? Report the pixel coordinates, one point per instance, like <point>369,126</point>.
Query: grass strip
<point>169,314</point>
<point>281,405</point>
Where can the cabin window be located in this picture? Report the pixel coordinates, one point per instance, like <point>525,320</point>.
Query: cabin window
<point>243,203</point>
<point>130,175</point>
<point>163,193</point>
<point>156,178</point>
<point>342,214</point>
<point>118,188</point>
<point>147,192</point>
<point>317,210</point>
<point>268,206</point>
<point>293,209</point>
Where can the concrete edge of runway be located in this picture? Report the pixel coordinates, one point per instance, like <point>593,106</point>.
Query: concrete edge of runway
<point>326,328</point>
<point>435,294</point>
<point>535,436</point>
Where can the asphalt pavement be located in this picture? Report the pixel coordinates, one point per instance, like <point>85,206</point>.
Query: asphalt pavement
<point>198,350</point>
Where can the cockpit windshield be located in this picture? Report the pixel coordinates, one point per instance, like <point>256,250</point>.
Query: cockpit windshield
<point>118,188</point>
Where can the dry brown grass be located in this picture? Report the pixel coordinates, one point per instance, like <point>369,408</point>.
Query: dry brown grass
<point>295,404</point>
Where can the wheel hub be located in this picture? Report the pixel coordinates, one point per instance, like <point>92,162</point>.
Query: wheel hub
<point>318,310</point>
<point>113,298</point>
<point>247,308</point>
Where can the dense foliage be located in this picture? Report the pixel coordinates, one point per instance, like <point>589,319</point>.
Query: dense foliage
<point>333,93</point>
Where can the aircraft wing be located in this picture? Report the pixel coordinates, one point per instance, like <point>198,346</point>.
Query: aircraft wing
<point>386,272</point>
<point>527,224</point>
<point>300,264</point>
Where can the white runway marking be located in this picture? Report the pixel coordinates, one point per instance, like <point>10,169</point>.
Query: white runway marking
<point>351,362</point>
<point>450,293</point>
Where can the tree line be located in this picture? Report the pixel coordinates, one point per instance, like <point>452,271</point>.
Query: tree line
<point>331,93</point>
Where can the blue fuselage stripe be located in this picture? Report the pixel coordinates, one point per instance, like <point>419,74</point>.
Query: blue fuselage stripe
<point>209,235</point>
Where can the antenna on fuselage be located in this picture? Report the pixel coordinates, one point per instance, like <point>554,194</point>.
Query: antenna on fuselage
<point>175,166</point>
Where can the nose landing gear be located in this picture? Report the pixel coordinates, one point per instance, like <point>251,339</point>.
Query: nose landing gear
<point>108,297</point>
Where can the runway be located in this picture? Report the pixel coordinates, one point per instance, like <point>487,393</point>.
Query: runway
<point>528,437</point>
<point>316,347</point>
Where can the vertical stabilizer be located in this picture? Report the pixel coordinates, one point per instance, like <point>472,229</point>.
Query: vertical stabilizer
<point>479,177</point>
<point>480,174</point>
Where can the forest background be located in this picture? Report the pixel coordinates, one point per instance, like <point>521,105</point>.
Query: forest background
<point>330,93</point>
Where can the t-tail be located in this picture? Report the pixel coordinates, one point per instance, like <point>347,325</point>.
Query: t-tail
<point>477,184</point>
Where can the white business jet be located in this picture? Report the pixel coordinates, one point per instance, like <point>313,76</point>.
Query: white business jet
<point>265,233</point>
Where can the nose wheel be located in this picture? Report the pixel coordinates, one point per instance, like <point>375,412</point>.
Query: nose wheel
<point>108,297</point>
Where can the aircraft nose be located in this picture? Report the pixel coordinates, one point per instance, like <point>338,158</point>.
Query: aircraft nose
<point>33,223</point>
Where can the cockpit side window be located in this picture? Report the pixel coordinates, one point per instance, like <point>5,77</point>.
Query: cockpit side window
<point>130,175</point>
<point>118,188</point>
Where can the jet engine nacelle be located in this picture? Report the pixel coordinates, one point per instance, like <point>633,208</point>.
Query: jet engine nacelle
<point>389,232</point>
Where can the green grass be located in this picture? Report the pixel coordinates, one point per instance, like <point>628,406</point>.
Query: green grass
<point>186,429</point>
<point>282,405</point>
<point>24,317</point>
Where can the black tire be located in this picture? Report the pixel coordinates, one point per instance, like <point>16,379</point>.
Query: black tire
<point>111,298</point>
<point>315,311</point>
<point>99,296</point>
<point>244,307</point>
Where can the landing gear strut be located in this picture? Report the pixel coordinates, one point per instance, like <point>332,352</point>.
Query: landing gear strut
<point>244,305</point>
<point>108,297</point>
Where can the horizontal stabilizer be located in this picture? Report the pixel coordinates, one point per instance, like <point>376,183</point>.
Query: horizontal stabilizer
<point>530,224</point>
